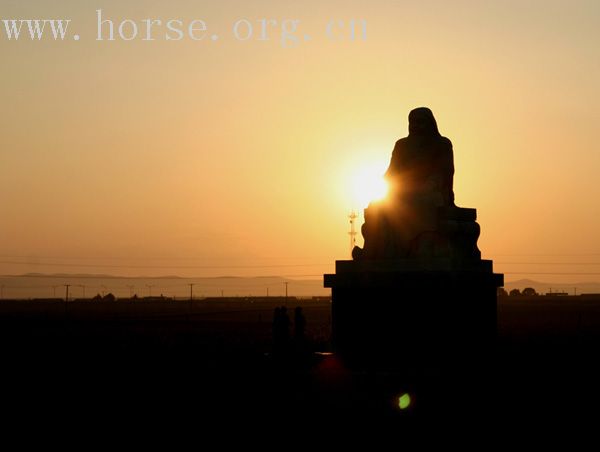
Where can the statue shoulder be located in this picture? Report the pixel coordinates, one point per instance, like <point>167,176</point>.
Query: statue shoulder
<point>446,142</point>
<point>401,144</point>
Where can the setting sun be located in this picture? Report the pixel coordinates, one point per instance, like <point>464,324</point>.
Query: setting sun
<point>368,184</point>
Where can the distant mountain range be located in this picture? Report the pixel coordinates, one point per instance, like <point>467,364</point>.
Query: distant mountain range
<point>86,275</point>
<point>41,285</point>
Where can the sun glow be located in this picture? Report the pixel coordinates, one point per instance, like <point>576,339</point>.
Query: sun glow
<point>368,184</point>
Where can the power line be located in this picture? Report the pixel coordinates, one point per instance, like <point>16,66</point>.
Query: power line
<point>146,258</point>
<point>545,254</point>
<point>121,266</point>
<point>315,265</point>
<point>554,273</point>
<point>547,263</point>
<point>62,264</point>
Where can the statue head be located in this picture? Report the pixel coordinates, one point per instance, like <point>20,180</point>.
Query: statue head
<point>422,122</point>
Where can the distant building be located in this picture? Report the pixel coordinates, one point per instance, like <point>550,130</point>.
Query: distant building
<point>321,298</point>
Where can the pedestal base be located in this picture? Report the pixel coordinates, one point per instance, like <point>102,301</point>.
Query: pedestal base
<point>407,314</point>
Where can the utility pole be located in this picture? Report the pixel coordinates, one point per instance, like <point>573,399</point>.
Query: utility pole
<point>191,304</point>
<point>222,293</point>
<point>286,289</point>
<point>66,301</point>
<point>130,290</point>
<point>267,292</point>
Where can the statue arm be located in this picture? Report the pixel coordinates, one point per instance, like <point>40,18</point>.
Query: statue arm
<point>395,162</point>
<point>448,167</point>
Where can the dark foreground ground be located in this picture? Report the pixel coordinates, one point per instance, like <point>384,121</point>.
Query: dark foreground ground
<point>181,363</point>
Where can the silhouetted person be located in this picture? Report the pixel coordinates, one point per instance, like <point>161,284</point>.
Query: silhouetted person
<point>285,325</point>
<point>299,324</point>
<point>276,322</point>
<point>276,317</point>
<point>281,330</point>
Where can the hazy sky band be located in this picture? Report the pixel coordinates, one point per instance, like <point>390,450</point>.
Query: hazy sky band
<point>235,152</point>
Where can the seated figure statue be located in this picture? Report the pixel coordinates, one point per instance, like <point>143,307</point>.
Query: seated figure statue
<point>418,218</point>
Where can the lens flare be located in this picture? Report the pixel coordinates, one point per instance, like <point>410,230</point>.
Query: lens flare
<point>404,401</point>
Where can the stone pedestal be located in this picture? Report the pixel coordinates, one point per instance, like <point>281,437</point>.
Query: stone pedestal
<point>413,313</point>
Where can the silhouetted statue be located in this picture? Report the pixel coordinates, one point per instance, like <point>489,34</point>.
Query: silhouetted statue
<point>418,218</point>
<point>422,164</point>
<point>418,292</point>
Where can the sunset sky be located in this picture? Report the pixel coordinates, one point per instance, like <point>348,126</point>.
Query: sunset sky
<point>226,157</point>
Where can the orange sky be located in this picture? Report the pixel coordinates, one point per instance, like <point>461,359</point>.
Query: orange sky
<point>168,157</point>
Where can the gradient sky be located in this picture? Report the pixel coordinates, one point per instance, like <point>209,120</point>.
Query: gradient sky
<point>159,157</point>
